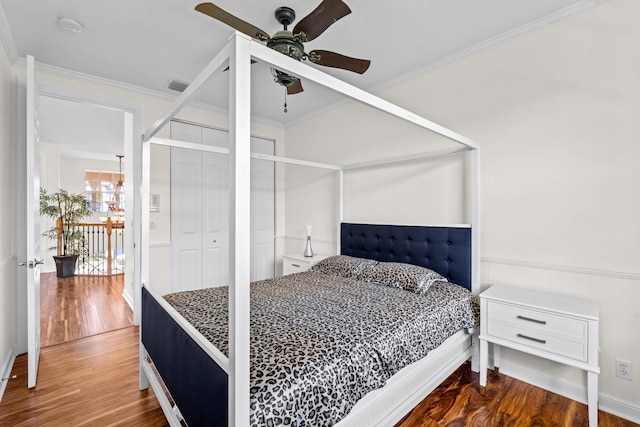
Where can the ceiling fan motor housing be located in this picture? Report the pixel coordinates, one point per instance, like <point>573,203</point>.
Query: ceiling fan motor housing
<point>286,43</point>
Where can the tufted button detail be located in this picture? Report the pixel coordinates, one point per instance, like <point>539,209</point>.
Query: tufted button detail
<point>448,260</point>
<point>448,242</point>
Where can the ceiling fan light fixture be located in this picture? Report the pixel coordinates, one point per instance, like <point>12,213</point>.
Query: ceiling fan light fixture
<point>69,24</point>
<point>282,78</point>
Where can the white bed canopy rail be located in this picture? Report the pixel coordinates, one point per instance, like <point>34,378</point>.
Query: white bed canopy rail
<point>238,52</point>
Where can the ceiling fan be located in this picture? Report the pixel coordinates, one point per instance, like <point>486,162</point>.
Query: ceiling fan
<point>291,43</point>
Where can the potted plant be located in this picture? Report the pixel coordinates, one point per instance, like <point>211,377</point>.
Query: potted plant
<point>67,209</point>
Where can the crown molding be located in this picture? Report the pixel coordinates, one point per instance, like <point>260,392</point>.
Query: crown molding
<point>138,89</point>
<point>511,34</point>
<point>7,37</point>
<point>548,19</point>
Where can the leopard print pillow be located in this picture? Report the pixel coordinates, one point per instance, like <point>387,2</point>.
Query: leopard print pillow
<point>412,278</point>
<point>343,265</point>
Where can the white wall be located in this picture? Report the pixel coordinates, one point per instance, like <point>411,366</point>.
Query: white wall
<point>555,112</point>
<point>8,259</point>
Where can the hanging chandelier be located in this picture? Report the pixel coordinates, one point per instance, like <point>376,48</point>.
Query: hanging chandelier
<point>116,206</point>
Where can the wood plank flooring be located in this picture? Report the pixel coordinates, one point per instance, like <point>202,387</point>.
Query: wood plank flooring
<point>94,382</point>
<point>87,382</point>
<point>81,306</point>
<point>508,402</point>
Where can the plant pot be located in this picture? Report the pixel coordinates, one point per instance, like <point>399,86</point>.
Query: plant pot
<point>65,265</point>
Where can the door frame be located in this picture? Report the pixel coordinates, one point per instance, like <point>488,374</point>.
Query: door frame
<point>133,150</point>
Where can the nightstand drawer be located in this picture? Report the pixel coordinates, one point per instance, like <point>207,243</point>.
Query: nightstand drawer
<point>564,336</point>
<point>297,263</point>
<point>546,342</point>
<point>291,266</point>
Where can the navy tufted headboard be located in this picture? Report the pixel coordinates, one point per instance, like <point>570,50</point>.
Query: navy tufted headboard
<point>446,250</point>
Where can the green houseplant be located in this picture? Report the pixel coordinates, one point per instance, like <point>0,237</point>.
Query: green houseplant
<point>67,209</point>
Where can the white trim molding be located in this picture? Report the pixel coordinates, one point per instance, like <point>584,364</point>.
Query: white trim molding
<point>5,370</point>
<point>6,37</point>
<point>128,298</point>
<point>564,268</point>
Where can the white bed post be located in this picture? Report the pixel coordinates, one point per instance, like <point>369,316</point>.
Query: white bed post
<point>473,212</point>
<point>240,252</point>
<point>473,169</point>
<point>340,206</point>
<point>144,250</point>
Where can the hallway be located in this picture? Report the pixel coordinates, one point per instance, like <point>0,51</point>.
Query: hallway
<point>81,306</point>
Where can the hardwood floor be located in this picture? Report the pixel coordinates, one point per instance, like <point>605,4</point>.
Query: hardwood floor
<point>81,306</point>
<point>91,381</point>
<point>508,402</point>
<point>94,381</point>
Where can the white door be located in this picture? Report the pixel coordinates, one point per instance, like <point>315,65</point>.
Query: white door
<point>262,212</point>
<point>186,224</point>
<point>199,210</point>
<point>29,259</point>
<point>215,196</point>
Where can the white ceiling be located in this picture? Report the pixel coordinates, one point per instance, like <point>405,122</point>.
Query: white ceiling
<point>145,43</point>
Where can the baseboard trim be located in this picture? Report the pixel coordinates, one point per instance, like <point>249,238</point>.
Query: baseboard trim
<point>606,403</point>
<point>127,298</point>
<point>5,369</point>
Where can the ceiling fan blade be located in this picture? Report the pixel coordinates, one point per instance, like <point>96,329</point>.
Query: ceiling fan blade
<point>223,16</point>
<point>327,12</point>
<point>335,60</point>
<point>295,88</point>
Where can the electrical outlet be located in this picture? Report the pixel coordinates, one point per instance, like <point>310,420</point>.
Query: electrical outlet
<point>624,369</point>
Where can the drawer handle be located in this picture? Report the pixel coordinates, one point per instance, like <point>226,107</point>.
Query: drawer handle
<point>532,339</point>
<point>296,265</point>
<point>528,319</point>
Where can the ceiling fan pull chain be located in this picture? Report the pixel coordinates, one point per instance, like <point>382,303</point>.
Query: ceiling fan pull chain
<point>285,99</point>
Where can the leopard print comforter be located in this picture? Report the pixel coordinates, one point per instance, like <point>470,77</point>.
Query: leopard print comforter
<point>320,342</point>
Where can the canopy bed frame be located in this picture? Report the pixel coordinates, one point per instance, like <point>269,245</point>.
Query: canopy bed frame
<point>232,373</point>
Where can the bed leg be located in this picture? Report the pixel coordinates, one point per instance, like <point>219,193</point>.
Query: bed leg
<point>143,380</point>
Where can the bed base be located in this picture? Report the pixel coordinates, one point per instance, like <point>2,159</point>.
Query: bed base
<point>207,401</point>
<point>407,388</point>
<point>196,373</point>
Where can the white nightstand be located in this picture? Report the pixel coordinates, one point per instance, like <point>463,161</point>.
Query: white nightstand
<point>556,327</point>
<point>296,263</point>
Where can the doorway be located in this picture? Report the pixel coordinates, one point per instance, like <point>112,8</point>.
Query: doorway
<point>80,140</point>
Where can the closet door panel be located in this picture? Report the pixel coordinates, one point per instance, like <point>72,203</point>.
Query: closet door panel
<point>216,267</point>
<point>262,212</point>
<point>189,265</point>
<point>186,223</point>
<point>215,191</point>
